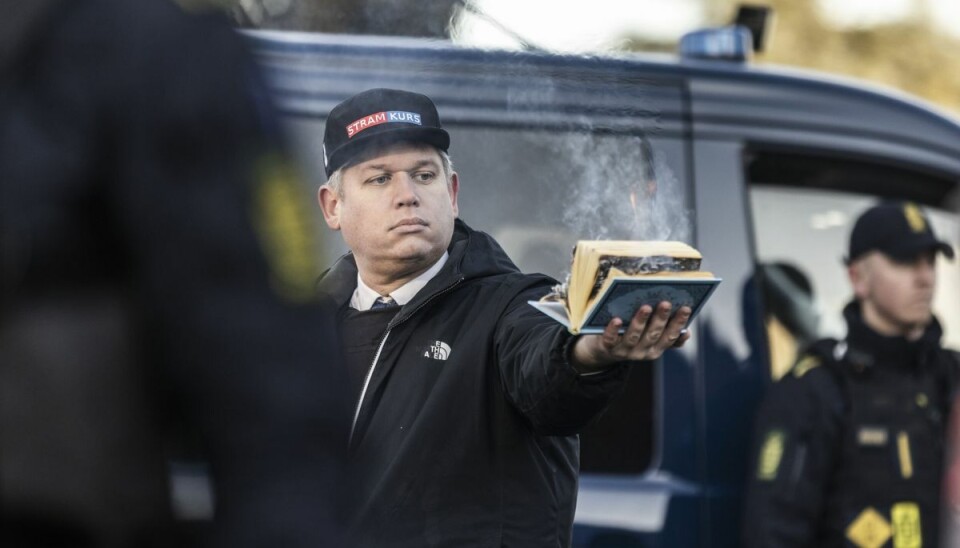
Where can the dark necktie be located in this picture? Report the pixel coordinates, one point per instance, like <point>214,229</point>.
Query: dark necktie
<point>383,302</point>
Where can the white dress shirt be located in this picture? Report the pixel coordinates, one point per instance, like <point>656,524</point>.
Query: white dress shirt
<point>363,297</point>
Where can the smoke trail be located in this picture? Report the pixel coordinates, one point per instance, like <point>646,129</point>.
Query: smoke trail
<point>624,190</point>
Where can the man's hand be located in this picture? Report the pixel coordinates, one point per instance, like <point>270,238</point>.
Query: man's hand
<point>646,338</point>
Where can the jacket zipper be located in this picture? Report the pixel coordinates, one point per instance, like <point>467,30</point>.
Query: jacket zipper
<point>376,358</point>
<point>366,383</point>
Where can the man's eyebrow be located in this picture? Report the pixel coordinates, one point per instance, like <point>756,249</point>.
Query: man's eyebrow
<point>425,163</point>
<point>419,164</point>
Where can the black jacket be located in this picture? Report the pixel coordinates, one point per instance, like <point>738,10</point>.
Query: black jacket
<point>856,425</point>
<point>480,448</point>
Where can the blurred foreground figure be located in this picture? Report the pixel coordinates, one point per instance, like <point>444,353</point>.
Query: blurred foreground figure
<point>156,284</point>
<point>849,444</point>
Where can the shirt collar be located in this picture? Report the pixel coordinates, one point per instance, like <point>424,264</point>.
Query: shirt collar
<point>363,297</point>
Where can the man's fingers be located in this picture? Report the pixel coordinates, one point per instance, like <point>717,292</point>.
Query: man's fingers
<point>657,323</point>
<point>638,324</point>
<point>611,333</point>
<point>675,334</point>
<point>679,321</point>
<point>662,332</point>
<point>650,332</point>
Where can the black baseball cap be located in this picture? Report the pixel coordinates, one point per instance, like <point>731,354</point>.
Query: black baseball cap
<point>899,230</point>
<point>379,117</point>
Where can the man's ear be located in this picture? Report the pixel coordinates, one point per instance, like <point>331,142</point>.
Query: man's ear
<point>454,190</point>
<point>859,273</point>
<point>330,205</point>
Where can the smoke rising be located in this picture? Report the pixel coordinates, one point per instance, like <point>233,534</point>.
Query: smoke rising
<point>623,190</point>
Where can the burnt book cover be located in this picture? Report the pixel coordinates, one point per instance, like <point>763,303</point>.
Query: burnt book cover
<point>624,296</point>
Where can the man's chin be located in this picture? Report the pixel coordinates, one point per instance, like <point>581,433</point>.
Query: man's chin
<point>919,321</point>
<point>419,255</point>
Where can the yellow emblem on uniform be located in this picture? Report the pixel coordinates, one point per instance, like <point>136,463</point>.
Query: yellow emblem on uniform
<point>875,436</point>
<point>903,454</point>
<point>805,364</point>
<point>906,525</point>
<point>914,217</point>
<point>770,455</point>
<point>869,529</point>
<point>283,224</point>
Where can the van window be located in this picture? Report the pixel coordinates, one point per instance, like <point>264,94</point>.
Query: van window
<point>803,208</point>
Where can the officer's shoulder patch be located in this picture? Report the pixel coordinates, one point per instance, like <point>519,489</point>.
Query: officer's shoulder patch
<point>771,453</point>
<point>805,364</point>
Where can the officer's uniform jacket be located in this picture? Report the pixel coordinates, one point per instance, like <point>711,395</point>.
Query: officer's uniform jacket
<point>849,444</point>
<point>139,305</point>
<point>466,432</point>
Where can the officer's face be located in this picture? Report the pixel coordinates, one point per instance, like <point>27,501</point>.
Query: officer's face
<point>896,296</point>
<point>396,211</point>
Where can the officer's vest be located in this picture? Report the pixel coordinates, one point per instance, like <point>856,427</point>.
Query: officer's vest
<point>886,481</point>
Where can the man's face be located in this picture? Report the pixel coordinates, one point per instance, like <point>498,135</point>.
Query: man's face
<point>895,295</point>
<point>396,209</point>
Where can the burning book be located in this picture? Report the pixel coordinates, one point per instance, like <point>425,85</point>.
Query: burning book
<point>611,279</point>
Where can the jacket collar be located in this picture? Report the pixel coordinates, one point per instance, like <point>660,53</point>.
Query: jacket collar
<point>888,350</point>
<point>473,254</point>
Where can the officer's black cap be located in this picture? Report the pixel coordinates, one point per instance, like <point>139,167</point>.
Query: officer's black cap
<point>380,117</point>
<point>899,230</point>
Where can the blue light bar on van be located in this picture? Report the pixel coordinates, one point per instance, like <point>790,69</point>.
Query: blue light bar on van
<point>732,43</point>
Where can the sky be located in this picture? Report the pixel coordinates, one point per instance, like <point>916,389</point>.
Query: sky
<point>575,25</point>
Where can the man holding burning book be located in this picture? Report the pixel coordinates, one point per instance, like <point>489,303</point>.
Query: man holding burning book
<point>468,399</point>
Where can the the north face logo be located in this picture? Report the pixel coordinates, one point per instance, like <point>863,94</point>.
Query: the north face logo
<point>439,350</point>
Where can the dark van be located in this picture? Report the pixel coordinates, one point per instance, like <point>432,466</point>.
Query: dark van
<point>761,169</point>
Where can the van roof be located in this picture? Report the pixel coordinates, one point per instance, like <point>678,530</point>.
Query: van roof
<point>623,92</point>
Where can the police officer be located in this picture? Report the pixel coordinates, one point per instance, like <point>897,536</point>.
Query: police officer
<point>156,290</point>
<point>848,446</point>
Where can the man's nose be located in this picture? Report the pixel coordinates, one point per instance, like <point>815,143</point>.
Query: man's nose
<point>407,192</point>
<point>926,273</point>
